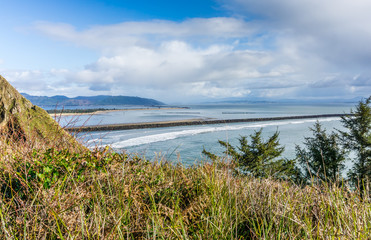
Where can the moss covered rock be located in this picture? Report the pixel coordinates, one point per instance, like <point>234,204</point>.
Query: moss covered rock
<point>23,122</point>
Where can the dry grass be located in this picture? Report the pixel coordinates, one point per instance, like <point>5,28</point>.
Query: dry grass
<point>53,188</point>
<point>58,194</point>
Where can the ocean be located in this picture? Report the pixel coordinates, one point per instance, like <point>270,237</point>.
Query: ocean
<point>185,143</point>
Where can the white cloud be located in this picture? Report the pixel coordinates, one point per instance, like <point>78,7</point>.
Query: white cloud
<point>206,89</point>
<point>27,81</point>
<point>176,64</point>
<point>114,38</point>
<point>335,30</point>
<point>291,49</point>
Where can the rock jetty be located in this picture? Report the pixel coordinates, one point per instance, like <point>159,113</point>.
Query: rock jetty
<point>129,126</point>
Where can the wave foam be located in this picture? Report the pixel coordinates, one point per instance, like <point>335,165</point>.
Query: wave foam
<point>177,134</point>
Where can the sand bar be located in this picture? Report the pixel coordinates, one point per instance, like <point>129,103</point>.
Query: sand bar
<point>189,122</point>
<point>114,110</point>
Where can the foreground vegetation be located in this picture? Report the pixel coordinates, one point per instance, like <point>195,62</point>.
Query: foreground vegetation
<point>322,159</point>
<point>57,194</point>
<point>52,187</point>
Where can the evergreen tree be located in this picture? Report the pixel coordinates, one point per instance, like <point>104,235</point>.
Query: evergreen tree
<point>322,158</point>
<point>259,158</point>
<point>357,138</point>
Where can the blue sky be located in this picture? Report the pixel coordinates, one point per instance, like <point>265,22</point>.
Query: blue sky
<point>187,51</point>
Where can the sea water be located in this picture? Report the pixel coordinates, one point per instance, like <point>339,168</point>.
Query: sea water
<point>185,143</point>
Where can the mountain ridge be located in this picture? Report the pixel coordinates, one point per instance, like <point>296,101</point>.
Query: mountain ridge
<point>62,100</point>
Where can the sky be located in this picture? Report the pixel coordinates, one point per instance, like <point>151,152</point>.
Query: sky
<point>188,50</point>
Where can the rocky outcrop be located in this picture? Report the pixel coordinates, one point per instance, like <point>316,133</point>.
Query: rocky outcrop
<point>22,122</point>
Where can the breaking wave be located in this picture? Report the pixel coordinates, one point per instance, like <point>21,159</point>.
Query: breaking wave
<point>160,137</point>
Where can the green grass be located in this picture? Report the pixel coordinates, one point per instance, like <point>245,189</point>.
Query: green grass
<point>58,194</point>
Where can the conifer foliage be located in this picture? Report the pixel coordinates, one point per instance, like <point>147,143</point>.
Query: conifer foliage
<point>357,138</point>
<point>322,159</point>
<point>259,158</point>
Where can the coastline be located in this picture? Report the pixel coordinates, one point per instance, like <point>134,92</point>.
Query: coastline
<point>114,110</point>
<point>189,122</point>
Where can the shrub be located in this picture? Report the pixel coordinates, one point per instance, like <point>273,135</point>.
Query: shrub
<point>259,158</point>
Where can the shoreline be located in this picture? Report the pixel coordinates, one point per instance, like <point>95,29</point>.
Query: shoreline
<point>113,110</point>
<point>189,122</point>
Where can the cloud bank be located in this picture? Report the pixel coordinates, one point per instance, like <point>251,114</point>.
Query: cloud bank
<point>267,48</point>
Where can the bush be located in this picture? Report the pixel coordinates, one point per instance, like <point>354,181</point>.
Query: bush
<point>322,159</point>
<point>259,158</point>
<point>357,138</point>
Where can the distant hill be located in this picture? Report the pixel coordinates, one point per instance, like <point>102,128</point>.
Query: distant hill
<point>94,100</point>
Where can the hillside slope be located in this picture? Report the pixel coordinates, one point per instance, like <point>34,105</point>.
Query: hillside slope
<point>21,122</point>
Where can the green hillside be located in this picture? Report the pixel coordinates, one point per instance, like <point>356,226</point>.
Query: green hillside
<point>24,122</point>
<point>93,100</point>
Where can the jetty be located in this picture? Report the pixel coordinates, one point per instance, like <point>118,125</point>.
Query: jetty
<point>190,122</point>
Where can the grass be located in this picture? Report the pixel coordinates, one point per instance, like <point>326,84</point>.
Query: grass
<point>53,188</point>
<point>60,194</point>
